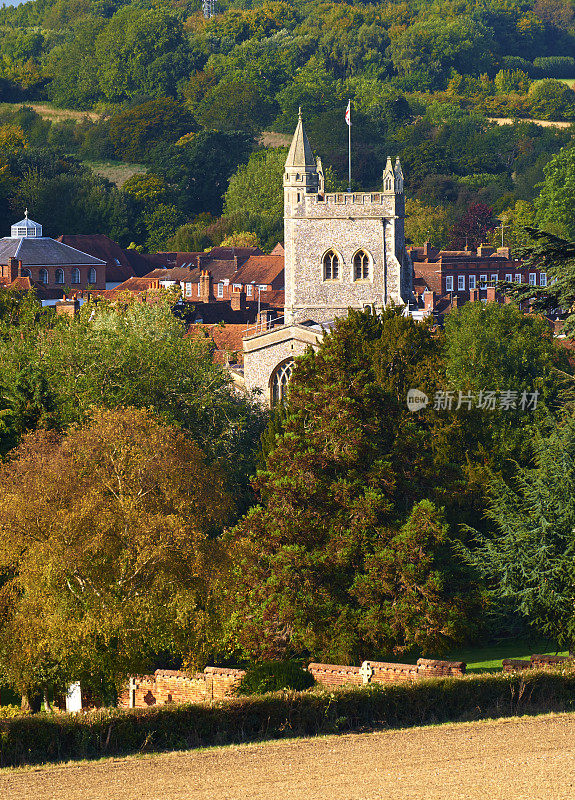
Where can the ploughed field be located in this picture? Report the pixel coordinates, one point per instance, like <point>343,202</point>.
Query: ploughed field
<point>509,758</point>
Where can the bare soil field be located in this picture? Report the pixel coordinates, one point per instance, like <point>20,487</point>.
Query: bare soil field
<point>509,759</point>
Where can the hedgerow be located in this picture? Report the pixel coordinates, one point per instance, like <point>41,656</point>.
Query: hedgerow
<point>43,737</point>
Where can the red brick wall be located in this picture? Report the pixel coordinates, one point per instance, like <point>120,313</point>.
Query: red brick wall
<point>383,672</point>
<point>171,686</point>
<point>335,674</point>
<point>215,683</point>
<point>536,662</point>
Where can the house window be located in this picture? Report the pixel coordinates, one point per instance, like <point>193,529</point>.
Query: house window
<point>59,275</point>
<point>22,231</point>
<point>279,382</point>
<point>92,277</point>
<point>532,279</point>
<point>449,283</point>
<point>263,287</point>
<point>517,277</point>
<point>472,281</point>
<point>43,275</point>
<point>461,282</point>
<point>75,275</point>
<point>237,287</point>
<point>542,279</point>
<point>361,266</point>
<point>26,273</point>
<point>220,289</point>
<point>249,290</point>
<point>509,277</point>
<point>493,280</point>
<point>330,266</point>
<point>482,281</point>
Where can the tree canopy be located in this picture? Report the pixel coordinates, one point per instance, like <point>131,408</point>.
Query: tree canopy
<point>106,553</point>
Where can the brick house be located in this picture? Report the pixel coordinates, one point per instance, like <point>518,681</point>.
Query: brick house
<point>47,263</point>
<point>446,279</point>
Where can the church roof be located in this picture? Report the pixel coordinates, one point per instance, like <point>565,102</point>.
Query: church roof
<point>44,252</point>
<point>300,152</point>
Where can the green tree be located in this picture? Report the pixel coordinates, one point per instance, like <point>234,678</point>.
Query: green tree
<point>141,52</point>
<point>556,202</point>
<point>234,105</point>
<point>512,80</point>
<point>339,514</point>
<point>424,223</point>
<point>254,198</point>
<point>527,560</point>
<point>135,131</point>
<point>497,347</point>
<point>552,99</point>
<point>138,355</point>
<point>105,537</point>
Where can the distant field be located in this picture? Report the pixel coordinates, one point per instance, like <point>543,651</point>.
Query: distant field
<point>51,112</point>
<point>116,171</point>
<point>545,123</point>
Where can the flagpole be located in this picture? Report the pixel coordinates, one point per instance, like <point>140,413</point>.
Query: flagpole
<point>349,147</point>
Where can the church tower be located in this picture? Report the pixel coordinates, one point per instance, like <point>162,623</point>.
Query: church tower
<point>342,249</point>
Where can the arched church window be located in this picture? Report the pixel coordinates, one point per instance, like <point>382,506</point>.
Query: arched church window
<point>26,273</point>
<point>388,185</point>
<point>75,275</point>
<point>92,277</point>
<point>59,276</point>
<point>43,275</point>
<point>330,266</point>
<point>361,266</point>
<point>279,382</point>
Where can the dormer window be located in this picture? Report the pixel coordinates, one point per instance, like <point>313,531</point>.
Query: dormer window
<point>331,266</point>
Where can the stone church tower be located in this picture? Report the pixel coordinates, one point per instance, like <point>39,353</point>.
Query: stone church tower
<point>341,250</point>
<point>344,249</point>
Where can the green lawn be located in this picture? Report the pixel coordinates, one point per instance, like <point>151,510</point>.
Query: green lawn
<point>488,659</point>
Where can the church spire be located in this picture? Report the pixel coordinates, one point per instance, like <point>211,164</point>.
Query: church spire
<point>300,153</point>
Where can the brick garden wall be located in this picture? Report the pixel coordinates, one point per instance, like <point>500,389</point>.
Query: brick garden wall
<point>171,686</point>
<point>536,662</point>
<point>215,683</point>
<point>383,672</point>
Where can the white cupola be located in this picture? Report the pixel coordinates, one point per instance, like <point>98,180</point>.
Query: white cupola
<point>26,228</point>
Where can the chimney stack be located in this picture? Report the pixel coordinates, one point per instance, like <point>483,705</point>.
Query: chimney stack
<point>206,287</point>
<point>238,300</point>
<point>14,269</point>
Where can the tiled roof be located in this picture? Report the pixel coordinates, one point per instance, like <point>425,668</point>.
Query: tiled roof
<point>229,253</point>
<point>118,266</point>
<point>261,270</point>
<point>44,252</point>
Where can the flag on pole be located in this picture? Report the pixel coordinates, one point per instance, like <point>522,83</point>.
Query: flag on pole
<point>348,113</point>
